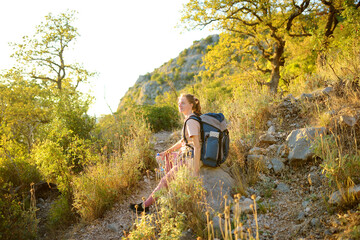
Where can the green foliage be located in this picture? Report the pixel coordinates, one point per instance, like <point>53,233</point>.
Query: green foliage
<point>160,117</point>
<point>257,29</point>
<point>60,214</point>
<point>15,221</point>
<point>16,167</point>
<point>158,77</point>
<point>98,187</point>
<point>342,169</point>
<point>180,61</point>
<point>53,164</point>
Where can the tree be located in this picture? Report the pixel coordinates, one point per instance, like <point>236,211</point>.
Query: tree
<point>332,11</point>
<point>24,106</point>
<point>261,27</point>
<point>43,54</point>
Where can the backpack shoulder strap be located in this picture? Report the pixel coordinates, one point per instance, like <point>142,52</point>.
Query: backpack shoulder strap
<point>196,118</point>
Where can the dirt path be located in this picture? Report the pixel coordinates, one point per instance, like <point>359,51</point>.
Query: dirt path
<point>120,218</point>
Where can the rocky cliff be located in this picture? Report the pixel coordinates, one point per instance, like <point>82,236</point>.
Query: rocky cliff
<point>171,76</point>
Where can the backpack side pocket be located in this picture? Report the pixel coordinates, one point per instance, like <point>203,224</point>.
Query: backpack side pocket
<point>211,149</point>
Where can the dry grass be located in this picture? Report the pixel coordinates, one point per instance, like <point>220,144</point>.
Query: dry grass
<point>100,185</point>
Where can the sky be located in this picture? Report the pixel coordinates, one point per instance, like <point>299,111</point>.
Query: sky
<point>120,40</point>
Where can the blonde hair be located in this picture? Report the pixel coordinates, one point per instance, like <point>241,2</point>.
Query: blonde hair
<point>194,101</point>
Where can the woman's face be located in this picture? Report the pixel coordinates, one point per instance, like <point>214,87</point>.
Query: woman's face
<point>184,106</point>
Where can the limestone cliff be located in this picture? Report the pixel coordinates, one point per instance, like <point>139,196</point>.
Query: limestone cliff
<point>171,76</point>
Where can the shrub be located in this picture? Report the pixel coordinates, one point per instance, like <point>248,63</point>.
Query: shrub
<point>100,185</point>
<point>163,117</point>
<point>16,167</point>
<point>60,214</point>
<point>15,221</point>
<point>53,164</point>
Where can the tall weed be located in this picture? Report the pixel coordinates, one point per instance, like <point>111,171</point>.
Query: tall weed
<point>180,207</point>
<point>100,185</point>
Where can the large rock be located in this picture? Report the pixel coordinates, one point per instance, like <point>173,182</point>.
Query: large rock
<point>300,142</point>
<point>316,95</point>
<point>338,196</point>
<point>217,184</point>
<point>267,138</point>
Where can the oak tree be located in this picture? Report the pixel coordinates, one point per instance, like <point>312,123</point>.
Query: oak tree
<point>261,27</point>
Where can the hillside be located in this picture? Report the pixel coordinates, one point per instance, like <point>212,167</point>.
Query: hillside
<point>172,76</point>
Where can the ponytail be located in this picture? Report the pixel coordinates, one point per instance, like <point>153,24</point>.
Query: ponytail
<point>197,107</point>
<point>194,101</point>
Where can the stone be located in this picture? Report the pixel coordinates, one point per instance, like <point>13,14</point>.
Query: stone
<point>327,90</point>
<point>300,142</point>
<point>271,130</point>
<point>301,216</point>
<point>348,120</point>
<point>257,151</point>
<point>315,222</point>
<point>277,165</point>
<point>283,151</point>
<point>267,139</point>
<point>185,235</point>
<point>336,197</point>
<point>217,184</point>
<point>314,179</point>
<point>305,203</point>
<point>113,227</point>
<point>269,123</point>
<point>273,148</point>
<point>306,96</point>
<point>244,206</point>
<point>282,187</point>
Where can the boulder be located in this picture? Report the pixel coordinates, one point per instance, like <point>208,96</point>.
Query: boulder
<point>217,184</point>
<point>337,197</point>
<point>267,138</point>
<point>300,142</point>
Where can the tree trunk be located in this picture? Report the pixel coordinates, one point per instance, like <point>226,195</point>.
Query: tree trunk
<point>276,63</point>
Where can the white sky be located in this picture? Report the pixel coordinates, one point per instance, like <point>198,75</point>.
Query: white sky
<point>118,39</point>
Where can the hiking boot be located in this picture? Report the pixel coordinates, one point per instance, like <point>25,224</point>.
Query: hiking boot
<point>138,208</point>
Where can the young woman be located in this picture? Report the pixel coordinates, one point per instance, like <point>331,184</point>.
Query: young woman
<point>188,105</point>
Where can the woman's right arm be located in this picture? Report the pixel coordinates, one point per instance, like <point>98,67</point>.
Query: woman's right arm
<point>175,147</point>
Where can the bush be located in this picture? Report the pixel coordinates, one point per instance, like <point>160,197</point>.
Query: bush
<point>101,185</point>
<point>16,167</point>
<point>16,222</point>
<point>160,117</point>
<point>53,164</point>
<point>60,214</point>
